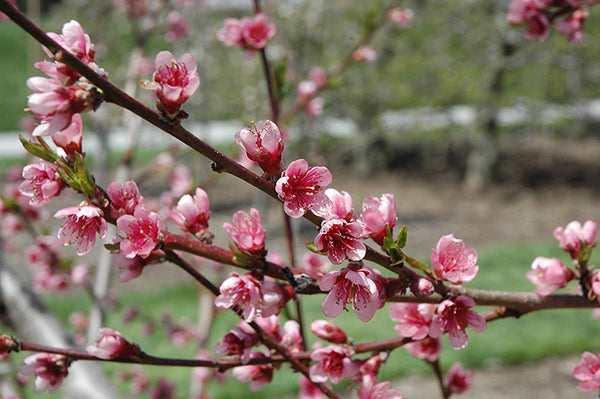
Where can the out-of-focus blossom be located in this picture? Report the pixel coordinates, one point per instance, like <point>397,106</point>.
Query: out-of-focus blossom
<point>575,237</point>
<point>49,370</point>
<point>247,232</point>
<point>333,363</point>
<point>365,54</point>
<point>135,8</point>
<point>192,213</point>
<point>142,232</point>
<point>370,389</point>
<point>291,336</point>
<point>133,267</point>
<point>80,275</point>
<point>124,197</point>
<point>257,375</point>
<point>341,206</point>
<point>427,349</point>
<point>314,107</point>
<point>454,317</point>
<point>319,76</point>
<point>111,344</point>
<point>274,297</point>
<point>572,26</point>
<point>413,319</point>
<point>402,17</point>
<point>314,265</point>
<point>301,188</point>
<point>308,390</point>
<point>248,33</point>
<point>530,13</point>
<point>459,379</point>
<point>588,372</point>
<point>263,144</point>
<point>42,183</point>
<point>181,180</point>
<point>82,225</point>
<point>454,262</point>
<point>549,275</point>
<point>177,27</point>
<point>328,331</point>
<point>242,291</point>
<point>377,215</point>
<point>69,138</point>
<point>238,342</point>
<point>340,240</point>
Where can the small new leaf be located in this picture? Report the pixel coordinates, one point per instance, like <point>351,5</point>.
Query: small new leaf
<point>402,236</point>
<point>38,150</point>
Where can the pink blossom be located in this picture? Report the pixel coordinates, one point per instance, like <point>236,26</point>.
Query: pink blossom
<point>231,33</point>
<point>142,232</point>
<point>307,89</point>
<point>49,371</point>
<point>133,267</point>
<point>328,331</point>
<point>459,379</point>
<point>454,317</point>
<point>341,206</point>
<point>319,76</point>
<point>263,144</point>
<point>257,375</point>
<point>177,27</point>
<point>192,213</point>
<point>69,138</point>
<point>291,336</point>
<point>247,33</point>
<point>572,26</point>
<point>549,275</point>
<point>364,53</point>
<point>242,291</point>
<point>422,288</point>
<point>370,389</point>
<point>314,265</point>
<point>124,197</point>
<point>340,240</point>
<point>247,232</point>
<point>47,280</point>
<point>333,362</point>
<point>351,284</point>
<point>314,107</point>
<point>413,319</point>
<point>80,275</point>
<point>308,390</point>
<point>301,188</point>
<point>575,237</point>
<point>111,344</point>
<point>238,342</point>
<point>174,81</point>
<point>427,349</point>
<point>454,262</point>
<point>530,12</point>
<point>81,226</point>
<point>588,372</point>
<point>402,17</point>
<point>42,183</point>
<point>274,297</point>
<point>377,215</point>
<point>181,180</point>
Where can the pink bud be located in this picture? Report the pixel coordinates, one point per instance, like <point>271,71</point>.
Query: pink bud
<point>111,344</point>
<point>459,379</point>
<point>549,275</point>
<point>263,144</point>
<point>328,331</point>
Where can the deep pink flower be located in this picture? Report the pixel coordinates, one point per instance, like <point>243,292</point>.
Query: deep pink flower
<point>308,390</point>
<point>142,232</point>
<point>69,138</point>
<point>413,319</point>
<point>177,27</point>
<point>364,53</point>
<point>81,226</point>
<point>328,331</point>
<point>247,232</point>
<point>549,275</point>
<point>377,215</point>
<point>341,206</point>
<point>530,12</point>
<point>454,262</point>
<point>174,81</point>
<point>427,349</point>
<point>301,188</point>
<point>575,237</point>
<point>49,371</point>
<point>454,317</point>
<point>42,183</point>
<point>263,144</point>
<point>588,372</point>
<point>242,291</point>
<point>351,284</point>
<point>333,362</point>
<point>192,213</point>
<point>124,197</point>
<point>370,389</point>
<point>257,32</point>
<point>572,26</point>
<point>459,379</point>
<point>402,17</point>
<point>257,375</point>
<point>314,265</point>
<point>111,344</point>
<point>238,342</point>
<point>340,240</point>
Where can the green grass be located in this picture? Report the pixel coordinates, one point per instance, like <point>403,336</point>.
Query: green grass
<point>533,337</point>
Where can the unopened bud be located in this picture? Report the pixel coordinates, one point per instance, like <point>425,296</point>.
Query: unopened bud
<point>422,288</point>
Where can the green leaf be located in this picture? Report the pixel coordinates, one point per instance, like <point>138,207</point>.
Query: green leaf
<point>279,74</point>
<point>86,181</point>
<point>402,236</point>
<point>313,248</point>
<point>38,150</point>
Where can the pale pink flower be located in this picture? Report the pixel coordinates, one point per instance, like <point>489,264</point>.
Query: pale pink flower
<point>111,344</point>
<point>575,237</point>
<point>319,76</point>
<point>181,180</point>
<point>247,232</point>
<point>291,336</point>
<point>69,138</point>
<point>370,389</point>
<point>588,372</point>
<point>413,319</point>
<point>301,188</point>
<point>341,206</point>
<point>572,26</point>
<point>454,262</point>
<point>82,225</point>
<point>257,375</point>
<point>377,215</point>
<point>174,81</point>
<point>307,89</point>
<point>314,107</point>
<point>240,290</point>
<point>328,331</point>
<point>365,54</point>
<point>274,297</point>
<point>42,183</point>
<point>354,285</point>
<point>402,17</point>
<point>263,144</point>
<point>142,232</point>
<point>427,349</point>
<point>49,371</point>
<point>459,379</point>
<point>340,240</point>
<point>231,33</point>
<point>314,265</point>
<point>124,197</point>
<point>308,390</point>
<point>238,342</point>
<point>177,27</point>
<point>454,317</point>
<point>192,213</point>
<point>80,275</point>
<point>549,275</point>
<point>334,363</point>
